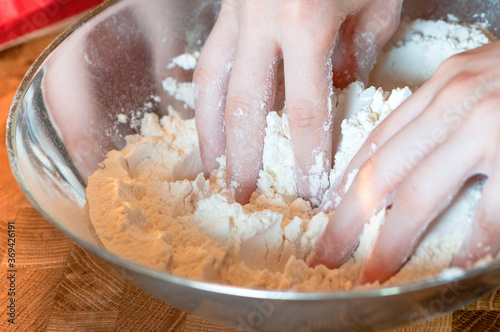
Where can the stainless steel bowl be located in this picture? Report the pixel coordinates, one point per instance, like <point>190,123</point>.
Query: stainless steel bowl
<point>63,121</point>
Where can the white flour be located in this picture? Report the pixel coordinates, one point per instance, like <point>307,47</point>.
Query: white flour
<point>417,49</point>
<point>151,203</point>
<point>186,61</point>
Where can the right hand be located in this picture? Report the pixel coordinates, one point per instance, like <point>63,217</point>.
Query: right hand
<point>447,132</point>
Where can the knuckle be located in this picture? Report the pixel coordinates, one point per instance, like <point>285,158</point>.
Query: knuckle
<point>450,64</point>
<point>483,113</point>
<point>487,117</point>
<point>302,116</point>
<point>367,176</point>
<point>413,198</point>
<point>238,109</point>
<point>461,85</point>
<point>455,60</point>
<point>466,80</point>
<point>369,167</point>
<point>377,181</point>
<point>203,77</point>
<point>487,108</point>
<point>300,15</point>
<point>454,63</point>
<point>298,12</point>
<point>239,103</point>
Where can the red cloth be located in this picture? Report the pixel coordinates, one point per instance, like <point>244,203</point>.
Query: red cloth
<point>20,17</point>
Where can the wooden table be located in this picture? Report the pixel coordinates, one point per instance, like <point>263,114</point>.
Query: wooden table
<point>61,287</point>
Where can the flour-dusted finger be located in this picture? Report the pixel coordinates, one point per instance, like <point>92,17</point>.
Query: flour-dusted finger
<point>484,238</point>
<point>378,180</point>
<point>395,122</point>
<point>210,81</point>
<point>407,112</point>
<point>423,196</point>
<point>250,97</point>
<point>309,93</point>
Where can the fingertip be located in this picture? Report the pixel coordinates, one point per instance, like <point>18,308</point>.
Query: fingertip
<point>209,166</point>
<point>316,258</point>
<point>209,155</point>
<point>241,186</point>
<point>313,181</point>
<point>372,271</point>
<point>311,260</point>
<point>321,253</point>
<point>212,144</point>
<point>328,252</point>
<point>241,193</point>
<point>360,281</point>
<point>332,197</point>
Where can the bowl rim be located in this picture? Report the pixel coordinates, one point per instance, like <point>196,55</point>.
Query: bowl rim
<point>101,252</point>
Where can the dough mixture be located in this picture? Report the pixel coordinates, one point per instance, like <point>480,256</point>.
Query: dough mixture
<point>151,203</point>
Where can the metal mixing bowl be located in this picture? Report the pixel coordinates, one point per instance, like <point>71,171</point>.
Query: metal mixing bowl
<point>63,121</point>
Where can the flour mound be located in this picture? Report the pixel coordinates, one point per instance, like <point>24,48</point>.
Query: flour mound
<point>151,203</point>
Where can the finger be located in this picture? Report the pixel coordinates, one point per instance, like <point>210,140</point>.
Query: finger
<point>408,111</point>
<point>379,178</point>
<point>423,196</point>
<point>397,120</point>
<point>485,232</point>
<point>363,36</point>
<point>483,240</point>
<point>309,91</point>
<point>250,97</point>
<point>210,81</point>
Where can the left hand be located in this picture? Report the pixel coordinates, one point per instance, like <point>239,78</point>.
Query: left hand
<point>448,131</point>
<point>236,80</point>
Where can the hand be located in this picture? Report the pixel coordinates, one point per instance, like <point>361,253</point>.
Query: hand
<point>235,80</point>
<point>447,132</point>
